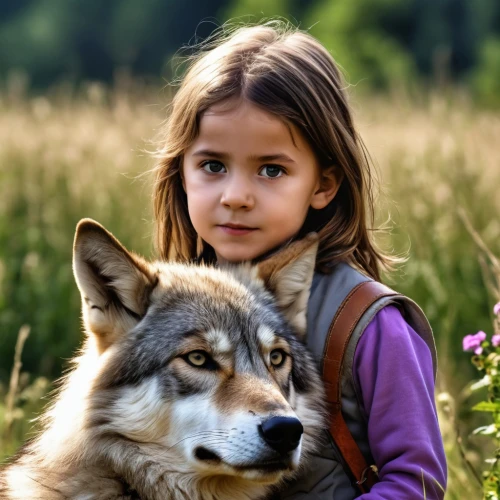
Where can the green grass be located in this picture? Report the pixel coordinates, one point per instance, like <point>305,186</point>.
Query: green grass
<point>65,157</point>
<point>30,401</point>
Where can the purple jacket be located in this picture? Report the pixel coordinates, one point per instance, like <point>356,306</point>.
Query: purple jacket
<point>393,370</point>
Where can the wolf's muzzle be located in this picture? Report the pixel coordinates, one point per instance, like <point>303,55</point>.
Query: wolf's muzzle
<point>281,433</point>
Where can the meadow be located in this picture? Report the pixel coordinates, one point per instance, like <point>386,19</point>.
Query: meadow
<point>68,155</point>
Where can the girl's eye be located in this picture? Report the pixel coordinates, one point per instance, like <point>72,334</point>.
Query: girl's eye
<point>278,357</point>
<point>213,167</point>
<point>272,171</point>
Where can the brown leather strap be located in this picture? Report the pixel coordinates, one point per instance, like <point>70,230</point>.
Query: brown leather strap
<point>343,324</point>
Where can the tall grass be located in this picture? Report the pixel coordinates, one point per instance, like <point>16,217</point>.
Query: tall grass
<point>438,156</point>
<point>62,159</point>
<point>67,156</point>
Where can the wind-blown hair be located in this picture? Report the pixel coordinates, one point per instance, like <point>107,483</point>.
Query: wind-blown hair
<point>290,74</point>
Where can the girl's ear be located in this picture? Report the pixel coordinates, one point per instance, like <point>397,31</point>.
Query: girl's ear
<point>288,275</point>
<point>330,182</point>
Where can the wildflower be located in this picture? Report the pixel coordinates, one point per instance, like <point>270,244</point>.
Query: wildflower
<point>473,342</point>
<point>496,309</point>
<point>495,340</point>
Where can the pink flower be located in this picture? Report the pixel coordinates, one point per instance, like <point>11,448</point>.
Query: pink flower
<point>496,309</point>
<point>495,340</point>
<point>473,342</point>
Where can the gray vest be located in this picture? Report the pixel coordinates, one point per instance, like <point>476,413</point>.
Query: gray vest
<point>324,478</point>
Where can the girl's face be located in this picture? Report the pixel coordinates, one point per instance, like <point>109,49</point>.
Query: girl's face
<point>250,180</point>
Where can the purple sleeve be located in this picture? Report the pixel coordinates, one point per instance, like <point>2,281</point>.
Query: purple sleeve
<point>393,371</point>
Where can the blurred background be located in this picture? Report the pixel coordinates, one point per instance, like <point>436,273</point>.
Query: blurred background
<point>84,88</point>
<point>380,43</point>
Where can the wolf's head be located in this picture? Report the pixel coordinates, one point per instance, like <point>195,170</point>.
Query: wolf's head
<point>200,370</point>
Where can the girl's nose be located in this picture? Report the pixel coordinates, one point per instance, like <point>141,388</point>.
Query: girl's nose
<point>238,193</point>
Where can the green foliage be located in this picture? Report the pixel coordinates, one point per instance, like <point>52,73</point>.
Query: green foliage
<point>353,30</point>
<point>255,10</point>
<point>44,44</point>
<point>29,402</point>
<point>486,76</point>
<point>52,40</point>
<point>487,362</point>
<point>380,43</point>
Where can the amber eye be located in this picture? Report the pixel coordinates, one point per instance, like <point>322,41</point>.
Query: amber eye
<point>197,358</point>
<point>200,359</point>
<point>278,357</point>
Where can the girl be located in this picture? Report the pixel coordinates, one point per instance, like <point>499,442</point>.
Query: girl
<point>260,149</point>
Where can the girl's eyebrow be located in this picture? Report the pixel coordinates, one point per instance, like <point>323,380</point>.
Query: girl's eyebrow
<point>265,158</point>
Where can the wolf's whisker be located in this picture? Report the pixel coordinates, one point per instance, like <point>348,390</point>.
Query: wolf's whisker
<point>209,438</point>
<point>208,441</point>
<point>207,433</point>
<point>212,441</point>
<point>240,451</point>
<point>198,435</point>
<point>223,431</point>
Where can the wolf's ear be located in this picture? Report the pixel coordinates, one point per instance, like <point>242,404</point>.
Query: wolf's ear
<point>288,275</point>
<point>115,284</point>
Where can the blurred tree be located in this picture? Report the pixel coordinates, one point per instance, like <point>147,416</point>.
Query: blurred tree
<point>486,76</point>
<point>255,10</point>
<point>366,38</point>
<point>388,41</point>
<point>89,39</point>
<point>10,7</point>
<point>378,42</point>
<point>37,39</point>
<point>442,41</point>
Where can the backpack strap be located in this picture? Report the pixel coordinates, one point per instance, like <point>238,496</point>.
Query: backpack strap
<point>357,302</point>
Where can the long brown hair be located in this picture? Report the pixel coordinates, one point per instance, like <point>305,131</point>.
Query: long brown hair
<point>288,73</point>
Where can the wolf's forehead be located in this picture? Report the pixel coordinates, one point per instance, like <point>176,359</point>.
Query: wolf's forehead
<point>219,341</point>
<point>217,317</point>
<point>225,308</point>
<point>222,342</point>
<point>198,282</point>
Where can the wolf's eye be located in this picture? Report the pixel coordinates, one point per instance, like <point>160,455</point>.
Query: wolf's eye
<point>200,359</point>
<point>278,357</point>
<point>197,358</point>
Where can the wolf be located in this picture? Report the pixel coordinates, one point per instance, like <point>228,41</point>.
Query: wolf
<point>193,381</point>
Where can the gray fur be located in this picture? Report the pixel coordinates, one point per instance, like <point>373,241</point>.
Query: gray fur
<point>131,418</point>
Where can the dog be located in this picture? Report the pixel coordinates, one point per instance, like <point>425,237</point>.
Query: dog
<point>193,381</point>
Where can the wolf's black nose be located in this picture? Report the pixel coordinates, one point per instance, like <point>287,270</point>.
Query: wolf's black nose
<point>282,433</point>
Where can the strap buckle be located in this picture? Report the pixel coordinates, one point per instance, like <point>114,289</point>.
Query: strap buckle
<point>364,476</point>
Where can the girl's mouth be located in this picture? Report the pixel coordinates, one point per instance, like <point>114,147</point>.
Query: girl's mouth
<point>235,230</point>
